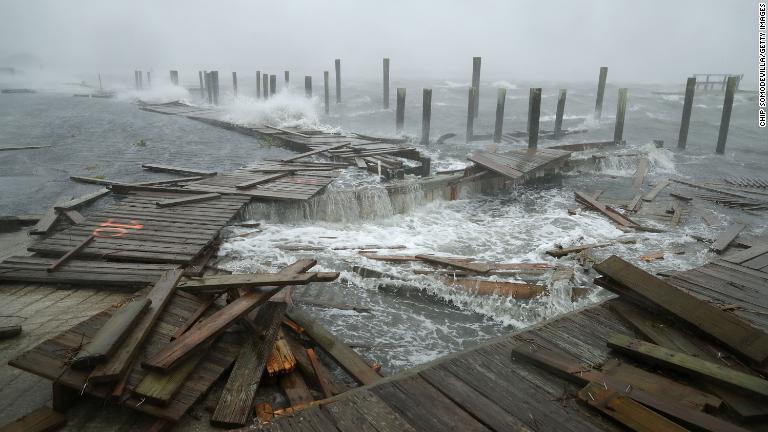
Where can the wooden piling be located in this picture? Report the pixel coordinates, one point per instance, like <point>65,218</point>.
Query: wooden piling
<point>501,99</point>
<point>534,112</point>
<point>337,63</point>
<point>621,109</point>
<point>209,86</point>
<point>141,80</point>
<point>234,83</point>
<point>136,79</point>
<point>100,86</point>
<point>175,77</point>
<point>287,76</point>
<point>308,86</point>
<point>426,115</point>
<point>272,85</point>
<point>202,86</point>
<point>258,84</point>
<point>560,113</point>
<point>690,89</point>
<point>725,120</point>
<point>327,92</point>
<point>400,112</point>
<point>470,114</point>
<point>215,77</point>
<point>385,67</point>
<point>265,85</point>
<point>600,91</point>
<point>149,79</point>
<point>476,83</point>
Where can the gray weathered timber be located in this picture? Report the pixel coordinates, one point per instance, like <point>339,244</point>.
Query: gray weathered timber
<point>470,114</point>
<point>476,61</point>
<point>385,67</point>
<point>426,115</point>
<point>308,86</point>
<point>327,91</point>
<point>215,77</point>
<point>272,85</point>
<point>621,109</point>
<point>287,76</point>
<point>234,83</point>
<point>600,91</point>
<point>400,112</point>
<point>265,85</point>
<point>726,237</point>
<point>501,98</point>
<point>560,113</point>
<point>337,65</point>
<point>258,84</point>
<point>725,119</point>
<point>534,111</point>
<point>202,86</point>
<point>690,89</point>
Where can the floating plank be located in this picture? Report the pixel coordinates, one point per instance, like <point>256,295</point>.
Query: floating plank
<point>160,388</point>
<point>177,170</point>
<point>459,264</point>
<point>7,332</point>
<point>516,290</point>
<point>236,401</point>
<point>42,419</point>
<point>118,365</point>
<point>74,216</point>
<point>71,254</point>
<point>689,365</point>
<point>252,183</point>
<point>203,332</point>
<point>604,209</point>
<point>81,201</point>
<point>216,283</point>
<point>557,253</point>
<point>344,355</point>
<point>640,173</point>
<point>651,195</point>
<point>108,338</point>
<point>626,411</point>
<point>187,200</point>
<point>95,180</point>
<point>726,237</point>
<point>316,151</point>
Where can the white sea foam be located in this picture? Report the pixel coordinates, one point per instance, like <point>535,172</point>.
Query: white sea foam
<point>160,92</point>
<point>505,84</point>
<point>453,84</point>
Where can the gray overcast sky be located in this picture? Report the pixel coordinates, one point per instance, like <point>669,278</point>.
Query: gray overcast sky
<point>641,41</point>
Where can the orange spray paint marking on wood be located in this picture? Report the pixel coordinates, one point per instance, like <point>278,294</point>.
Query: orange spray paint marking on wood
<point>112,229</point>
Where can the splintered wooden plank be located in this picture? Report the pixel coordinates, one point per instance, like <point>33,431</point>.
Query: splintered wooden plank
<point>187,200</point>
<point>160,388</point>
<point>236,401</point>
<point>109,337</point>
<point>626,411</point>
<point>604,209</point>
<point>747,254</point>
<point>250,280</point>
<point>81,201</point>
<point>517,290</point>
<point>344,355</point>
<point>266,179</point>
<point>726,237</point>
<point>42,419</point>
<point>70,255</point>
<point>689,365</point>
<point>178,170</point>
<point>651,195</point>
<point>640,173</point>
<point>557,253</point>
<point>459,264</point>
<point>119,363</point>
<point>726,327</point>
<point>203,332</point>
<point>316,151</point>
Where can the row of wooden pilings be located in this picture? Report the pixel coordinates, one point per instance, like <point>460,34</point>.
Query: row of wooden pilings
<point>266,87</point>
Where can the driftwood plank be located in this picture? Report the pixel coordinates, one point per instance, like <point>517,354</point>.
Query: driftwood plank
<point>118,365</point>
<point>74,216</point>
<point>651,195</point>
<point>726,327</point>
<point>344,355</point>
<point>160,388</point>
<point>252,183</point>
<point>42,419</point>
<point>604,209</point>
<point>178,170</point>
<point>689,365</point>
<point>71,254</point>
<point>109,337</point>
<point>187,200</point>
<point>726,237</point>
<point>517,290</point>
<point>316,151</point>
<point>236,401</point>
<point>251,280</point>
<point>459,264</point>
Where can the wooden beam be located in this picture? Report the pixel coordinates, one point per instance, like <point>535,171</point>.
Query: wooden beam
<point>315,151</point>
<point>81,201</point>
<point>604,209</point>
<point>74,216</point>
<point>689,365</point>
<point>723,326</point>
<point>459,264</point>
<point>203,332</point>
<point>187,200</point>
<point>236,401</point>
<point>517,290</point>
<point>178,170</point>
<point>71,254</point>
<point>42,419</point>
<point>251,280</point>
<point>651,195</point>
<point>344,355</point>
<point>194,317</point>
<point>252,183</point>
<point>159,388</point>
<point>109,337</point>
<point>726,237</point>
<point>327,383</point>
<point>295,389</point>
<point>118,365</point>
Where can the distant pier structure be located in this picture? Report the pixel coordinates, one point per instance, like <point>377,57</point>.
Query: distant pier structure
<point>709,81</point>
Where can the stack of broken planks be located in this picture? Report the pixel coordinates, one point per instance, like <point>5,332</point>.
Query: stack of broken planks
<point>521,165</point>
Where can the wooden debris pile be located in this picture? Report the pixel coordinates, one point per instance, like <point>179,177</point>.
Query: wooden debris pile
<point>692,365</point>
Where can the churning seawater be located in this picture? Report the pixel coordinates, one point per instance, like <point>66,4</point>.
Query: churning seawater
<point>111,138</point>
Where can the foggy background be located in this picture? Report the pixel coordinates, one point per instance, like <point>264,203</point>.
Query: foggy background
<point>650,41</point>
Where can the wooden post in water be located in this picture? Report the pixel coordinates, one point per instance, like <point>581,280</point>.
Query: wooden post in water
<point>136,79</point>
<point>476,83</point>
<point>265,85</point>
<point>141,80</point>
<point>690,89</point>
<point>560,113</point>
<point>272,85</point>
<point>426,115</point>
<point>175,77</point>
<point>725,120</point>
<point>202,86</point>
<point>308,86</point>
<point>385,67</point>
<point>149,79</point>
<point>327,92</point>
<point>100,86</point>
<point>258,84</point>
<point>621,109</point>
<point>600,91</point>
<point>209,86</point>
<point>338,80</point>
<point>400,111</point>
<point>501,99</point>
<point>234,83</point>
<point>471,114</point>
<point>534,112</point>
<point>287,76</point>
<point>215,87</point>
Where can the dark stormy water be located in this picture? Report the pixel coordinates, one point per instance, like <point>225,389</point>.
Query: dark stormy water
<point>111,138</point>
